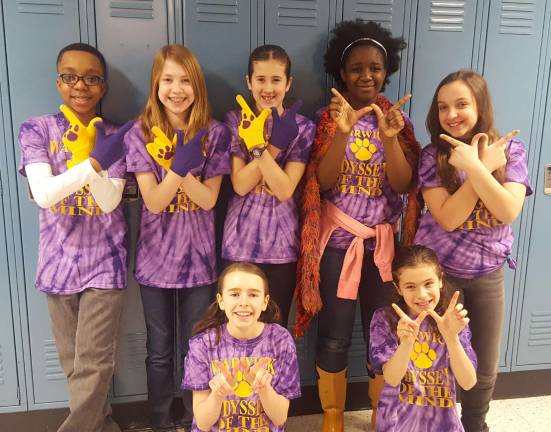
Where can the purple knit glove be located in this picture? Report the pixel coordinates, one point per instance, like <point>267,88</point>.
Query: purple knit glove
<point>109,149</point>
<point>284,129</point>
<point>189,155</point>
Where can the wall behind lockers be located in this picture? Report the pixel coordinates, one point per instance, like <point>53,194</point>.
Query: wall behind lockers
<point>506,40</point>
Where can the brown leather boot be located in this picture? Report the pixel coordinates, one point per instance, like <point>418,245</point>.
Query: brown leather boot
<point>374,392</point>
<point>332,393</point>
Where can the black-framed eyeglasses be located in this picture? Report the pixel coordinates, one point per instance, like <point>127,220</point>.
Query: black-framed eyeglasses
<point>88,80</point>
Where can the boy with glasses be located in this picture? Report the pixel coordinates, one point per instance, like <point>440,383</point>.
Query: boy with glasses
<point>76,175</point>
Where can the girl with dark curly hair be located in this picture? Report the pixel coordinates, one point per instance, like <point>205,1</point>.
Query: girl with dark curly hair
<point>363,158</point>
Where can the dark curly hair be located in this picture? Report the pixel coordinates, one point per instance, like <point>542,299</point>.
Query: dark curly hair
<point>349,31</point>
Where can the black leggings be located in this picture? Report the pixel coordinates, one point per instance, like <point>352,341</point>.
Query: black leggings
<point>281,282</point>
<point>336,318</point>
<point>484,298</point>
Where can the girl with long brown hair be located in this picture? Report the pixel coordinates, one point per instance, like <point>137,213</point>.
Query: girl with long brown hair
<point>179,155</point>
<point>474,183</point>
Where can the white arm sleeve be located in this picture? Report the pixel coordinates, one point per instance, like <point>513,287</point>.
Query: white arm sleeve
<point>48,189</point>
<point>107,191</point>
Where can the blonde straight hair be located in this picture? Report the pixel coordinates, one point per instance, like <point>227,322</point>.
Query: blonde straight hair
<point>154,112</point>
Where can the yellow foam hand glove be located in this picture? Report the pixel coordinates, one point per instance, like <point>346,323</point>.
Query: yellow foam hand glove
<point>251,128</point>
<point>78,139</point>
<point>162,148</point>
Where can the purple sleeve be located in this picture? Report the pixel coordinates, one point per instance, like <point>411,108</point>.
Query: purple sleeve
<point>33,142</point>
<point>137,158</point>
<point>286,381</point>
<point>428,177</point>
<point>232,120</point>
<point>196,365</point>
<point>465,340</point>
<point>517,167</point>
<point>218,151</point>
<point>383,341</point>
<point>301,145</point>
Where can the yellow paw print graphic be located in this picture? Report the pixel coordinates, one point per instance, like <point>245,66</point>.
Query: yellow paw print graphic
<point>242,388</point>
<point>363,148</point>
<point>422,355</point>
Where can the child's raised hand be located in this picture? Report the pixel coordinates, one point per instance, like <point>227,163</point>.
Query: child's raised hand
<point>189,155</point>
<point>342,112</point>
<point>493,155</point>
<point>464,156</point>
<point>284,129</point>
<point>391,123</point>
<point>78,139</point>
<point>257,375</point>
<point>408,329</point>
<point>251,128</point>
<point>162,148</point>
<point>454,319</point>
<point>223,384</point>
<point>109,148</point>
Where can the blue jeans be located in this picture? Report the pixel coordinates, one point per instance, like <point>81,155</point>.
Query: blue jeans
<point>164,309</point>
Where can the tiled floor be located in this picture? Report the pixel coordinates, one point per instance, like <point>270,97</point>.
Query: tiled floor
<point>509,415</point>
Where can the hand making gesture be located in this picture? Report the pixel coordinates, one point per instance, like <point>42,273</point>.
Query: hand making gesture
<point>78,139</point>
<point>257,375</point>
<point>408,329</point>
<point>493,155</point>
<point>454,319</point>
<point>251,127</point>
<point>343,114</point>
<point>464,156</point>
<point>224,382</point>
<point>284,128</point>
<point>391,123</point>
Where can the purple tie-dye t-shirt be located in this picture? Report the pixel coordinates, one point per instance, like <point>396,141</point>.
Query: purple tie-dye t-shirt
<point>243,411</point>
<point>80,246</point>
<point>482,244</point>
<point>362,189</point>
<point>176,248</point>
<point>258,227</point>
<point>425,399</point>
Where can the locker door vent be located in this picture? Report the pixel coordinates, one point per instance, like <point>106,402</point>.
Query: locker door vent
<point>2,376</point>
<point>217,11</point>
<point>141,9</point>
<point>303,13</point>
<point>47,7</point>
<point>517,17</point>
<point>53,368</point>
<point>447,15</point>
<point>540,328</point>
<point>134,350</point>
<point>380,12</point>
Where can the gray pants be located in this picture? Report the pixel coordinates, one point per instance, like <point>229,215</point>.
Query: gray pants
<point>85,328</point>
<point>483,298</point>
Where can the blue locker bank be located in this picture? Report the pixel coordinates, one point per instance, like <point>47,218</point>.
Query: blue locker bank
<point>509,41</point>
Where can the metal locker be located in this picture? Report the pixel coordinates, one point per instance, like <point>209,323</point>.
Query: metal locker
<point>129,35</point>
<point>445,35</point>
<point>514,27</point>
<point>302,29</point>
<point>221,34</point>
<point>48,26</point>
<point>9,382</point>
